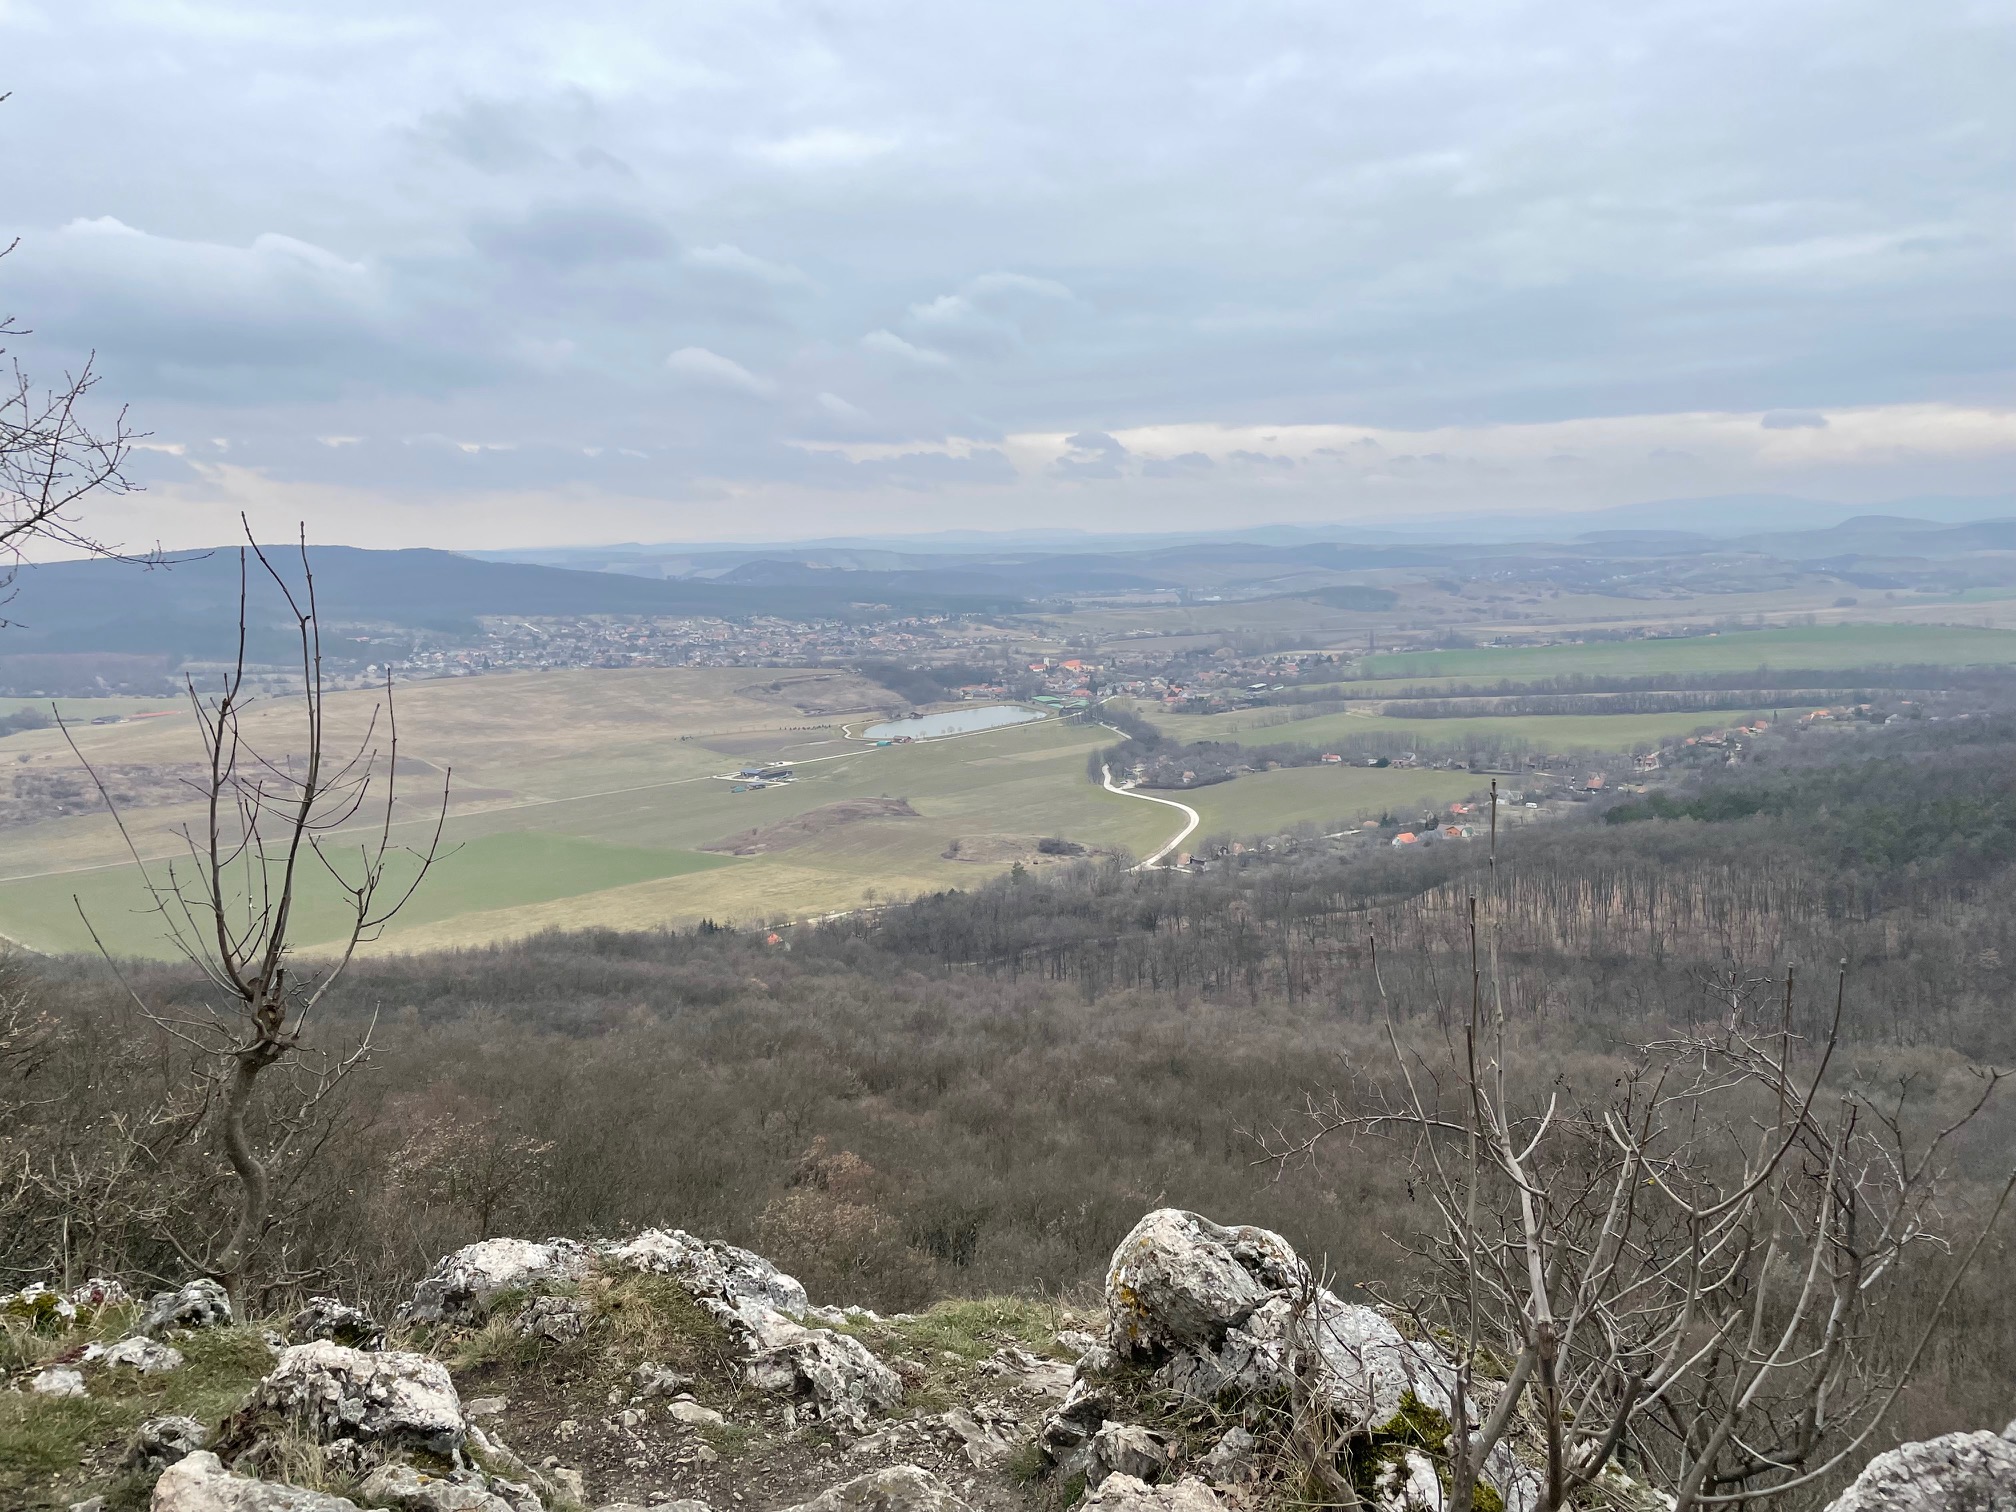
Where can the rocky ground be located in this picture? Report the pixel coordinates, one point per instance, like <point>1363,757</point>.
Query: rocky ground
<point>671,1372</point>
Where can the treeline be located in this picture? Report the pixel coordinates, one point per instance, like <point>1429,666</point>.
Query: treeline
<point>1946,811</point>
<point>1746,699</point>
<point>1786,684</point>
<point>1162,762</point>
<point>925,684</point>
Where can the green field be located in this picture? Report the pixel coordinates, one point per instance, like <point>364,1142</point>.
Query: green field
<point>1543,732</point>
<point>84,710</point>
<point>592,797</point>
<point>1823,648</point>
<point>586,798</point>
<point>483,873</point>
<point>1265,803</point>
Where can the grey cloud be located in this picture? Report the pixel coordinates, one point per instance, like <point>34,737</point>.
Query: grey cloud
<point>501,135</point>
<point>1262,459</point>
<point>731,261</point>
<point>992,315</point>
<point>1093,454</point>
<point>1183,465</point>
<point>967,226</point>
<point>1096,441</point>
<point>922,469</point>
<point>1793,420</point>
<point>568,237</point>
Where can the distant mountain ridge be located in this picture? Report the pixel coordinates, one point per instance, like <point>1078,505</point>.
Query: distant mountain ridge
<point>1715,517</point>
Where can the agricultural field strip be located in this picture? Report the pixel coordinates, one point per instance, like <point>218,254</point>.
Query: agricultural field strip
<point>1819,648</point>
<point>1559,733</point>
<point>865,748</point>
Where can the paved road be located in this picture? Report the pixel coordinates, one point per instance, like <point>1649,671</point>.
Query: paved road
<point>1106,775</point>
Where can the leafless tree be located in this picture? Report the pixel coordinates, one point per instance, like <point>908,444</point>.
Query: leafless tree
<point>52,454</point>
<point>275,831</point>
<point>1695,1274</point>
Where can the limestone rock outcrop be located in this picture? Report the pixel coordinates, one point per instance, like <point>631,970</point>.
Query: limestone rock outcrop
<point>139,1353</point>
<point>1221,1310</point>
<point>337,1321</point>
<point>200,1304</point>
<point>710,1268</point>
<point>835,1374</point>
<point>1125,1493</point>
<point>163,1441</point>
<point>200,1483</point>
<point>388,1400</point>
<point>462,1286</point>
<point>899,1488</point>
<point>1957,1472</point>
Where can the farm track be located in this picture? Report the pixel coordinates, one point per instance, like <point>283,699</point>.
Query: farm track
<point>1106,776</point>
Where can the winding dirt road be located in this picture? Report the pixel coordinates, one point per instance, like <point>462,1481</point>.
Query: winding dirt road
<point>1195,819</point>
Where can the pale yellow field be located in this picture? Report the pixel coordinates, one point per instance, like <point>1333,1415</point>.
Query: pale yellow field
<point>586,798</point>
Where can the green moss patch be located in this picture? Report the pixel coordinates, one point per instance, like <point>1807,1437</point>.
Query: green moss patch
<point>57,1450</point>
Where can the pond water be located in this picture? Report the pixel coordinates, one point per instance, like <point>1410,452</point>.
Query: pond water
<point>953,722</point>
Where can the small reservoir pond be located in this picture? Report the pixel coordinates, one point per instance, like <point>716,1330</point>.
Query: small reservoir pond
<point>952,722</point>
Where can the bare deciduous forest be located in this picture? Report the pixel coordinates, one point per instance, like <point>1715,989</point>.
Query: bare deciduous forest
<point>981,1091</point>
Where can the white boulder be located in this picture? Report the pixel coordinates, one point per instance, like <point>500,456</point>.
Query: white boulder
<point>1127,1449</point>
<point>1958,1472</point>
<point>1179,1281</point>
<point>390,1398</point>
<point>710,1268</point>
<point>836,1373</point>
<point>200,1304</point>
<point>761,1308</point>
<point>899,1488</point>
<point>200,1483</point>
<point>462,1286</point>
<point>58,1381</point>
<point>1124,1493</point>
<point>554,1319</point>
<point>337,1321</point>
<point>162,1441</point>
<point>1066,1435</point>
<point>139,1353</point>
<point>1224,1310</point>
<point>405,1489</point>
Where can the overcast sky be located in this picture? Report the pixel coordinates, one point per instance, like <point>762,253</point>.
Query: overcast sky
<point>486,274</point>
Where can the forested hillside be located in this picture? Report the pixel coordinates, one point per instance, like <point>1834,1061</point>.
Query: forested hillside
<point>1015,1072</point>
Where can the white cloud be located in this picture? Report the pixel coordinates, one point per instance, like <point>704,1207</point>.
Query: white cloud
<point>889,344</point>
<point>993,313</point>
<point>715,371</point>
<point>834,405</point>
